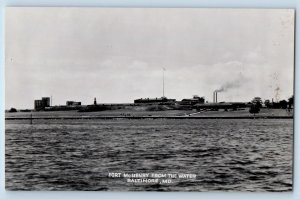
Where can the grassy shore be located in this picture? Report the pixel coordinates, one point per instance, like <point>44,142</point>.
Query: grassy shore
<point>142,113</point>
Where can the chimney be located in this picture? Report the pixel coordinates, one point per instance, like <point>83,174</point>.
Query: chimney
<point>216,97</point>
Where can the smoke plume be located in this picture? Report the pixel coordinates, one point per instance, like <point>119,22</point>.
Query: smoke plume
<point>232,84</point>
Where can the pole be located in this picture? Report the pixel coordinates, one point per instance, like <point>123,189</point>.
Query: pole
<point>163,82</point>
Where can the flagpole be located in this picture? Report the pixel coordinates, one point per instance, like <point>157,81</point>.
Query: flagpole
<point>163,82</point>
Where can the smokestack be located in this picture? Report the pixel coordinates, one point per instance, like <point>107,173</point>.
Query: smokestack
<point>216,97</point>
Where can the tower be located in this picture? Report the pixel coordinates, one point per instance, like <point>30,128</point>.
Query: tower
<point>95,101</point>
<point>164,82</point>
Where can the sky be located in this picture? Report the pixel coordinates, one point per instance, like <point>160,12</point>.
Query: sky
<point>118,54</point>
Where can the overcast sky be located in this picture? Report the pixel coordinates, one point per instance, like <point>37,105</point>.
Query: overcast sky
<point>117,55</point>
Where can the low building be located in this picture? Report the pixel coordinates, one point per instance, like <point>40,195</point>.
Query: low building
<point>195,100</point>
<point>160,100</point>
<point>73,103</point>
<point>221,105</point>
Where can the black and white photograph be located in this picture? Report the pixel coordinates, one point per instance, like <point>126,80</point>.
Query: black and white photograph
<point>149,99</point>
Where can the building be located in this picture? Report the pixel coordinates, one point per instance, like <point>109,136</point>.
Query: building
<point>160,100</point>
<point>46,101</point>
<point>42,103</point>
<point>195,100</point>
<point>73,103</point>
<point>38,105</point>
<point>221,105</point>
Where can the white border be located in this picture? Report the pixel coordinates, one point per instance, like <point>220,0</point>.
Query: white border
<point>295,4</point>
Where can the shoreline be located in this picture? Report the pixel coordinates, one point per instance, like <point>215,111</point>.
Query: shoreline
<point>148,117</point>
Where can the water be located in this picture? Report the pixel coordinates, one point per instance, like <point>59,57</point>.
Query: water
<point>226,155</point>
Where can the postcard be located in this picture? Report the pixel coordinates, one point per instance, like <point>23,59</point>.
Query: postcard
<point>149,99</point>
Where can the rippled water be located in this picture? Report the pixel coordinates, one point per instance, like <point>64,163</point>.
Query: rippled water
<point>233,155</point>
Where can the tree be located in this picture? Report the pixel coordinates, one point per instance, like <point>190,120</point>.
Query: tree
<point>254,108</point>
<point>291,101</point>
<point>283,104</point>
<point>267,103</point>
<point>12,110</point>
<point>257,101</point>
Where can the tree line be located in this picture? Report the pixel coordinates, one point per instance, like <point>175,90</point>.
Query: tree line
<point>257,104</point>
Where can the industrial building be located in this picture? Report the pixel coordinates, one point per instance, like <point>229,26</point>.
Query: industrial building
<point>42,103</point>
<point>215,105</point>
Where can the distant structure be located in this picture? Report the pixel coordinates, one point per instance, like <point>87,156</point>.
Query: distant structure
<point>222,105</point>
<point>163,82</point>
<point>215,97</point>
<point>195,100</point>
<point>42,103</point>
<point>95,101</point>
<point>160,100</point>
<point>73,103</point>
